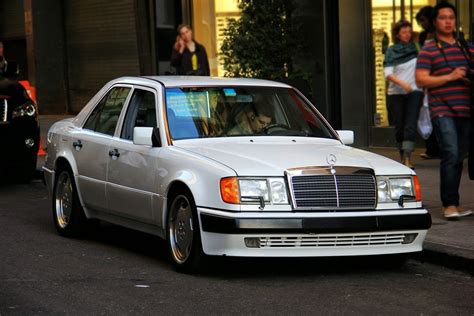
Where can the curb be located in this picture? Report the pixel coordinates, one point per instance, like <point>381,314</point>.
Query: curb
<point>437,254</point>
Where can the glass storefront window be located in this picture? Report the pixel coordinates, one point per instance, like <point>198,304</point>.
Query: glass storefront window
<point>210,18</point>
<point>384,14</point>
<point>464,13</point>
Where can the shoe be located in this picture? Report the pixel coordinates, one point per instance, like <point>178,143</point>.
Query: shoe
<point>451,212</point>
<point>455,212</point>
<point>426,156</point>
<point>463,212</point>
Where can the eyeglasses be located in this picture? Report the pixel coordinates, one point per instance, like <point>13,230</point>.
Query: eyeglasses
<point>446,17</point>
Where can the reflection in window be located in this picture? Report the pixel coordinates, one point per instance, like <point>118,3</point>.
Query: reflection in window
<point>140,113</point>
<point>104,117</point>
<point>240,111</point>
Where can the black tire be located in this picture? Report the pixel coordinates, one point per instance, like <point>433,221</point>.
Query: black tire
<point>183,235</point>
<point>68,215</point>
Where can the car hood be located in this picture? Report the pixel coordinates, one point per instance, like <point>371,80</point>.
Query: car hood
<point>271,156</point>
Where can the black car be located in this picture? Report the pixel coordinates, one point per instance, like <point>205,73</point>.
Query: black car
<point>19,130</point>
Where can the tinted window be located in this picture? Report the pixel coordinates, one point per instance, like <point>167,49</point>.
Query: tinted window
<point>202,112</point>
<point>104,117</point>
<point>140,113</point>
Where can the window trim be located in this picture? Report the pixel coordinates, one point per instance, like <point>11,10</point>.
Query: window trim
<point>120,124</point>
<point>125,105</point>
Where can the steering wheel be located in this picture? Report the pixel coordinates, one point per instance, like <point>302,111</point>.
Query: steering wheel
<point>275,127</point>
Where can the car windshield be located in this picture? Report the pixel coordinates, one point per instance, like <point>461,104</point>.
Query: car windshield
<point>205,112</point>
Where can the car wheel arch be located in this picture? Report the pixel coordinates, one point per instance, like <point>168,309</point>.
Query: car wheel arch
<point>175,188</point>
<point>64,163</point>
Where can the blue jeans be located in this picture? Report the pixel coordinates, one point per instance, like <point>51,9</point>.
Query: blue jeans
<point>453,139</point>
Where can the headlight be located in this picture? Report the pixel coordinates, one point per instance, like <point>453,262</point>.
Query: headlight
<point>25,109</point>
<point>390,189</point>
<point>254,191</point>
<point>278,191</point>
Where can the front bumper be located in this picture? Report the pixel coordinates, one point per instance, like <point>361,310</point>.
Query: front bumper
<point>12,140</point>
<point>306,234</point>
<point>48,175</point>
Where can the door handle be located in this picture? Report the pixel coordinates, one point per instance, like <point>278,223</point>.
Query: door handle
<point>77,145</point>
<point>114,154</point>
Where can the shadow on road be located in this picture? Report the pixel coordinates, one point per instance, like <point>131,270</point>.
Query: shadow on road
<point>234,267</point>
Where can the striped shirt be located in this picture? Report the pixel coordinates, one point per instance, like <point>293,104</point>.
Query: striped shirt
<point>453,98</point>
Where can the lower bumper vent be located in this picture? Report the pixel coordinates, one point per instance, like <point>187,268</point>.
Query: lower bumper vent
<point>317,241</point>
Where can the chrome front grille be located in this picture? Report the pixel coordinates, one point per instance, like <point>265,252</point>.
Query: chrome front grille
<point>336,240</point>
<point>3,110</point>
<point>333,192</point>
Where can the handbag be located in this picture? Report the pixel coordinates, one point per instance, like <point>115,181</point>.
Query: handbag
<point>425,128</point>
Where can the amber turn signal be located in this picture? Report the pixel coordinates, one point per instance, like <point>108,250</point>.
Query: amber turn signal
<point>230,190</point>
<point>416,182</point>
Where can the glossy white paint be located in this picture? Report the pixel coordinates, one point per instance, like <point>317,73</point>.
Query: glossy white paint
<point>132,189</point>
<point>347,137</point>
<point>271,156</point>
<point>234,245</point>
<point>142,136</point>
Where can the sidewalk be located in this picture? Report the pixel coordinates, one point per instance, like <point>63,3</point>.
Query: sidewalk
<point>450,243</point>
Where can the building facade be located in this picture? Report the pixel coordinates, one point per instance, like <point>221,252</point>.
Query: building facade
<point>69,49</point>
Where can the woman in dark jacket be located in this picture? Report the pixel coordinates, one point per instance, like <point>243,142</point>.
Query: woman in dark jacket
<point>188,56</point>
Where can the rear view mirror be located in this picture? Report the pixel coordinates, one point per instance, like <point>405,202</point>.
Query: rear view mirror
<point>347,137</point>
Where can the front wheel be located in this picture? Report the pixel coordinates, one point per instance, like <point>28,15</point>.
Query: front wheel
<point>183,236</point>
<point>68,215</point>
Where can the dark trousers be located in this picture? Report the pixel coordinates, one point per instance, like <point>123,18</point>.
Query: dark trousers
<point>432,148</point>
<point>453,139</point>
<point>405,109</point>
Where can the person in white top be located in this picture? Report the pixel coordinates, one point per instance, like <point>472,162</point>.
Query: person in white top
<point>404,98</point>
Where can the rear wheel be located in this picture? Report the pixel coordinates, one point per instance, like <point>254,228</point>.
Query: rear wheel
<point>68,215</point>
<point>183,235</point>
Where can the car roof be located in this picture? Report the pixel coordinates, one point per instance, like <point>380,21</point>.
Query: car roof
<point>180,81</point>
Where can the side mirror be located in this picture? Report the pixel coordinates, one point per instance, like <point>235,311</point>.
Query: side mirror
<point>347,137</point>
<point>142,136</point>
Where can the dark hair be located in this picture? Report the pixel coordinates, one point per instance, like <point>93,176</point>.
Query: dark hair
<point>396,29</point>
<point>443,5</point>
<point>426,12</point>
<point>181,26</point>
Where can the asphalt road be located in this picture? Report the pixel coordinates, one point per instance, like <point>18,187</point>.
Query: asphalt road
<point>119,271</point>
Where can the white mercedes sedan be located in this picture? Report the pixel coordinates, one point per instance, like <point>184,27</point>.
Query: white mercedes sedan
<point>228,167</point>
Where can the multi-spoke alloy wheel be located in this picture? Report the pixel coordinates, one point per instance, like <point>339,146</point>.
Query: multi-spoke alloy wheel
<point>63,199</point>
<point>183,235</point>
<point>68,215</point>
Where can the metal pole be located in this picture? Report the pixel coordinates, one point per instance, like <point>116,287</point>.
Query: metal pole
<point>402,9</point>
<point>411,12</point>
<point>394,13</point>
<point>471,31</point>
<point>458,19</point>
